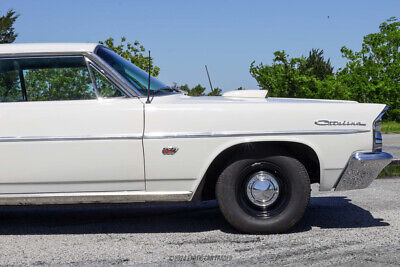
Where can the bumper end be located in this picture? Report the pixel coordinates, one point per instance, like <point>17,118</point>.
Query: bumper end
<point>362,169</point>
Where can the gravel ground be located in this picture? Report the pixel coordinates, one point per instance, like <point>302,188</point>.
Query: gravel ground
<point>342,228</point>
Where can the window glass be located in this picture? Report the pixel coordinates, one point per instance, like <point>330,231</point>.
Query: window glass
<point>45,79</point>
<point>134,75</point>
<point>104,87</point>
<point>10,85</point>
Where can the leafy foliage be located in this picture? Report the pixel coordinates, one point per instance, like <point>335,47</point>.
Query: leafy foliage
<point>58,84</point>
<point>9,87</point>
<point>310,77</point>
<point>316,65</point>
<point>373,73</point>
<point>104,87</point>
<point>215,92</point>
<point>198,90</point>
<point>133,53</point>
<point>7,33</point>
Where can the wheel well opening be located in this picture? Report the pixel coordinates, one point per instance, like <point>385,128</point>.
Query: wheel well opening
<point>299,151</point>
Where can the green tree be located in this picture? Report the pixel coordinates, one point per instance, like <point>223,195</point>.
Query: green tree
<point>133,52</point>
<point>373,73</point>
<point>7,31</point>
<point>184,87</point>
<point>301,77</point>
<point>198,90</point>
<point>58,84</point>
<point>9,79</point>
<point>215,92</point>
<point>316,65</point>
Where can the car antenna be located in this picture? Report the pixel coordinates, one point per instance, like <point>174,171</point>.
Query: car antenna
<point>148,85</point>
<point>208,75</point>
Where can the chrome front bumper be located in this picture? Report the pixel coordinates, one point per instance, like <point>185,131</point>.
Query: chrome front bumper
<point>362,169</point>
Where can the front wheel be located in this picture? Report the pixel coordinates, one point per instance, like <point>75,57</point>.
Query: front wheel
<point>263,196</point>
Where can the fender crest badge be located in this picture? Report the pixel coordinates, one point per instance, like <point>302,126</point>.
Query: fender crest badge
<point>339,123</point>
<point>169,150</point>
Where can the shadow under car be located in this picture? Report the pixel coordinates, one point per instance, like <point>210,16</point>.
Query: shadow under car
<point>323,212</point>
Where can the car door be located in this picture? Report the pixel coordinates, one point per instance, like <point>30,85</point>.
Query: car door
<point>64,127</point>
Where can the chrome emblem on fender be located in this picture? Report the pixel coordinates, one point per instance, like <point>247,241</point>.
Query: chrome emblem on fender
<point>169,150</point>
<point>338,123</point>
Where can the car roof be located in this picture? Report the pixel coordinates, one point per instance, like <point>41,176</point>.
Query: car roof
<point>28,48</point>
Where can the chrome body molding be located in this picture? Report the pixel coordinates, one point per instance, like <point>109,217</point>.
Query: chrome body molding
<point>173,135</point>
<point>93,197</point>
<point>67,138</point>
<point>362,169</point>
<point>243,134</point>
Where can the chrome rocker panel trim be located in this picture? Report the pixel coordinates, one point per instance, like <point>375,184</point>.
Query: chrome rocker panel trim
<point>362,169</point>
<point>93,197</point>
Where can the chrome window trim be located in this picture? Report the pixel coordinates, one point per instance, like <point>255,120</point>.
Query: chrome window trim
<point>92,77</point>
<point>42,54</point>
<point>110,73</point>
<point>52,55</point>
<point>118,78</point>
<point>101,72</point>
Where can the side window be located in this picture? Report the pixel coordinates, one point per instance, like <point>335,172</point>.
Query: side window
<point>10,84</point>
<point>104,87</point>
<point>45,79</point>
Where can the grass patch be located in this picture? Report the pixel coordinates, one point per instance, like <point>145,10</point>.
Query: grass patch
<point>391,127</point>
<point>390,171</point>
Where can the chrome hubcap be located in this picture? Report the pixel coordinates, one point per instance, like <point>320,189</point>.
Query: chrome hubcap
<point>262,189</point>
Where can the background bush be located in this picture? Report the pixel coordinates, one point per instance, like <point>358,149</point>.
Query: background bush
<point>371,75</point>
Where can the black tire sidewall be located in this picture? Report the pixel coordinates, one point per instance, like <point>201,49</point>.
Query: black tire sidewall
<point>298,188</point>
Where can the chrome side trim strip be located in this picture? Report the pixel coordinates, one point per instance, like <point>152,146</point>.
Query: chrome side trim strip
<point>174,135</point>
<point>240,134</point>
<point>68,138</point>
<point>93,197</point>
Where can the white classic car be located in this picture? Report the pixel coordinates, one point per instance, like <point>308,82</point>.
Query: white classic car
<point>76,127</point>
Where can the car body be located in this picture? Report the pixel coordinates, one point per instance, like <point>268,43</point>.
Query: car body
<point>80,146</point>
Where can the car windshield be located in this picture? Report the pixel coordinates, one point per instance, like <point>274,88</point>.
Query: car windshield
<point>137,77</point>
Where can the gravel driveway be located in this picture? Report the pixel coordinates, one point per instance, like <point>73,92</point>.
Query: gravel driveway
<point>343,228</point>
